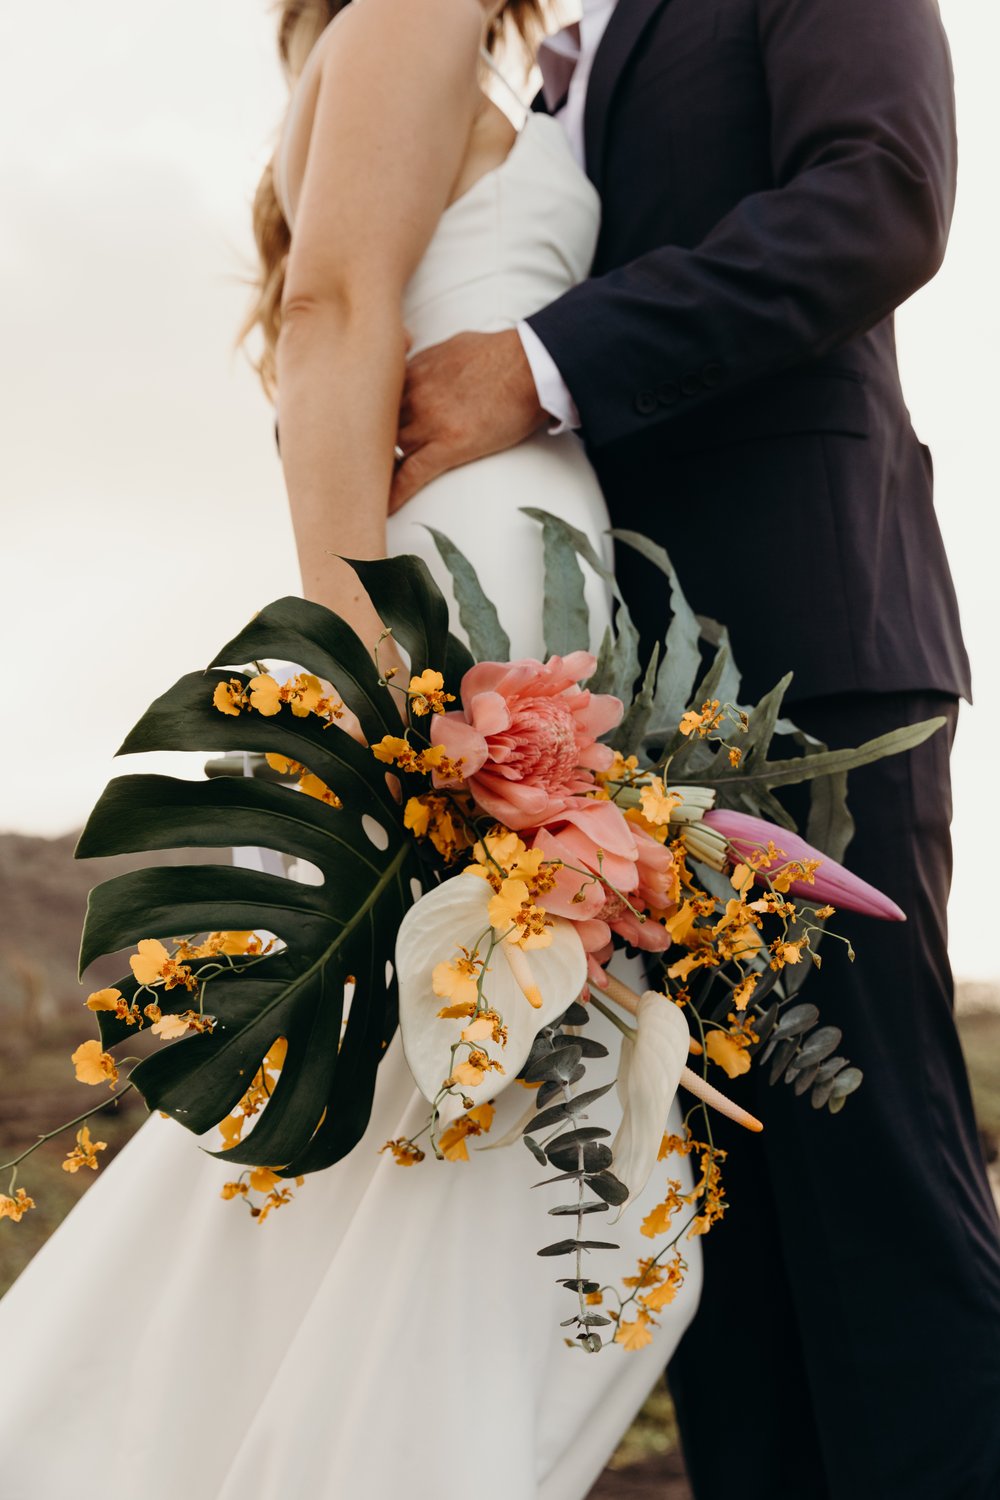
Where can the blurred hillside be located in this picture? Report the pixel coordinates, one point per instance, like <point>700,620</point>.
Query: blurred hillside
<point>43,899</point>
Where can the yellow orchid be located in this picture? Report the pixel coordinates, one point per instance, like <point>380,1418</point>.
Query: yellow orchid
<point>314,787</point>
<point>94,1065</point>
<point>404,1152</point>
<point>228,697</point>
<point>265,694</point>
<point>104,1000</point>
<point>457,981</point>
<point>729,1052</point>
<point>635,1335</point>
<point>15,1208</point>
<point>505,907</point>
<point>152,963</point>
<point>657,803</point>
<point>169,1027</point>
<point>427,694</point>
<point>84,1153</point>
<point>452,1140</point>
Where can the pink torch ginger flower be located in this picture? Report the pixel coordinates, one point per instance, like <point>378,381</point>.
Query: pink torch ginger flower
<point>750,837</point>
<point>527,735</point>
<point>594,836</point>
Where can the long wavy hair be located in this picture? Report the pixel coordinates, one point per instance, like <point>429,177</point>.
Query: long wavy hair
<point>300,25</point>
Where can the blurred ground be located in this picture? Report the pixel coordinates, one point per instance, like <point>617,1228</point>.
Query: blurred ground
<point>42,903</point>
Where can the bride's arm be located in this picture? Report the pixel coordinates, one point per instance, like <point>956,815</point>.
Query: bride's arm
<point>396,101</point>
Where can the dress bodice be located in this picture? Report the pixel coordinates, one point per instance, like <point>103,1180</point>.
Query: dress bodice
<point>522,234</point>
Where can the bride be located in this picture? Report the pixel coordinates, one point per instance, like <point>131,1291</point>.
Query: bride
<point>391,1333</point>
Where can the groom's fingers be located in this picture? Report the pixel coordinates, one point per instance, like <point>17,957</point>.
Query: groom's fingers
<point>417,469</point>
<point>464,399</point>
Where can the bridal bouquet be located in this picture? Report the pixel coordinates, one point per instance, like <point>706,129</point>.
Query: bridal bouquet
<point>485,834</point>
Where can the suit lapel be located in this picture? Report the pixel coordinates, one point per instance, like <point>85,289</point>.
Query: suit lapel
<point>624,32</point>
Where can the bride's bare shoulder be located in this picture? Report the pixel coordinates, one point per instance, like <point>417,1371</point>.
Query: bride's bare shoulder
<point>380,51</point>
<point>402,32</point>
<point>370,159</point>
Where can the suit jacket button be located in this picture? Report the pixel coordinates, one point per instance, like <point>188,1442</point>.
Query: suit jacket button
<point>712,375</point>
<point>645,403</point>
<point>668,392</point>
<point>691,385</point>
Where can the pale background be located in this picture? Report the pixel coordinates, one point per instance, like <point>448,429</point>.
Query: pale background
<point>143,505</point>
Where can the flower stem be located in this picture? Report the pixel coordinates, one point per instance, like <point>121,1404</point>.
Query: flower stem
<point>67,1125</point>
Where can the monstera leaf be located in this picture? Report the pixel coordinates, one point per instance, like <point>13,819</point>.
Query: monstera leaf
<point>333,938</point>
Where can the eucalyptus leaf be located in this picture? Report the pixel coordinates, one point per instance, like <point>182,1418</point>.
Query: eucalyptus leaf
<point>608,1187</point>
<point>566,1247</point>
<point>565,616</point>
<point>589,1047</point>
<point>805,1079</point>
<point>727,685</point>
<point>535,1150</point>
<point>822,1089</point>
<point>594,1157</point>
<point>846,1081</point>
<point>562,1210</point>
<point>806,767</point>
<point>763,1028</point>
<point>783,1054</point>
<point>487,638</point>
<point>682,652</point>
<point>581,1136</point>
<point>796,1020</point>
<point>819,1045</point>
<point>556,1065</point>
<point>633,726</point>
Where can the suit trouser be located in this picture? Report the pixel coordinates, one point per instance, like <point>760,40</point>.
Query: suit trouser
<point>848,1341</point>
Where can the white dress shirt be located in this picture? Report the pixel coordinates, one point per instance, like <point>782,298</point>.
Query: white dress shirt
<point>578,47</point>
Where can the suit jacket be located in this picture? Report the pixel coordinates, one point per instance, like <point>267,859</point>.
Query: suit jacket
<point>777,176</point>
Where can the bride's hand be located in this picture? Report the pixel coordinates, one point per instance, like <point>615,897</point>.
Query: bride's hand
<point>462,400</point>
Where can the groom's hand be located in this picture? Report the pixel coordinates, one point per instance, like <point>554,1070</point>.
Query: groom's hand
<point>462,400</point>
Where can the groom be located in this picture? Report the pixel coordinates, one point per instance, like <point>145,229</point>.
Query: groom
<point>777,176</point>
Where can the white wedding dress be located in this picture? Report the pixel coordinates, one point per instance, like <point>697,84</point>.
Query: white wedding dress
<point>391,1334</point>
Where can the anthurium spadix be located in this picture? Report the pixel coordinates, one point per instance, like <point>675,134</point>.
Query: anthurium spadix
<point>648,1078</point>
<point>447,920</point>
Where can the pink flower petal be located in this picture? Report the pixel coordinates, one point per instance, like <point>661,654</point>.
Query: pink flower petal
<point>489,713</point>
<point>460,741</point>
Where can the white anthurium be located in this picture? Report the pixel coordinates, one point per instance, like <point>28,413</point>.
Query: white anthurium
<point>648,1076</point>
<point>454,916</point>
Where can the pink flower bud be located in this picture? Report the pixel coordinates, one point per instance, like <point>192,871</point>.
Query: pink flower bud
<point>750,837</point>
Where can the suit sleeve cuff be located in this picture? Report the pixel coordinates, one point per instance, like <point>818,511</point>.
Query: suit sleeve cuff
<point>553,392</point>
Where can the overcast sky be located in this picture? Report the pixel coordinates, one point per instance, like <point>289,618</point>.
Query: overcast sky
<point>143,506</point>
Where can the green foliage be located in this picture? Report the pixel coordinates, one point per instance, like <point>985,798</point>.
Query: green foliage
<point>344,929</point>
<point>328,934</point>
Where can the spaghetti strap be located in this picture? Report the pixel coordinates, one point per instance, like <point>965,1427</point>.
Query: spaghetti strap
<point>502,78</point>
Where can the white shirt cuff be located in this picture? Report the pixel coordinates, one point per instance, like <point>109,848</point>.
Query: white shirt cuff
<point>553,393</point>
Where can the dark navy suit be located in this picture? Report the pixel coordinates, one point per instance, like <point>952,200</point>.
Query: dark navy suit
<point>777,177</point>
